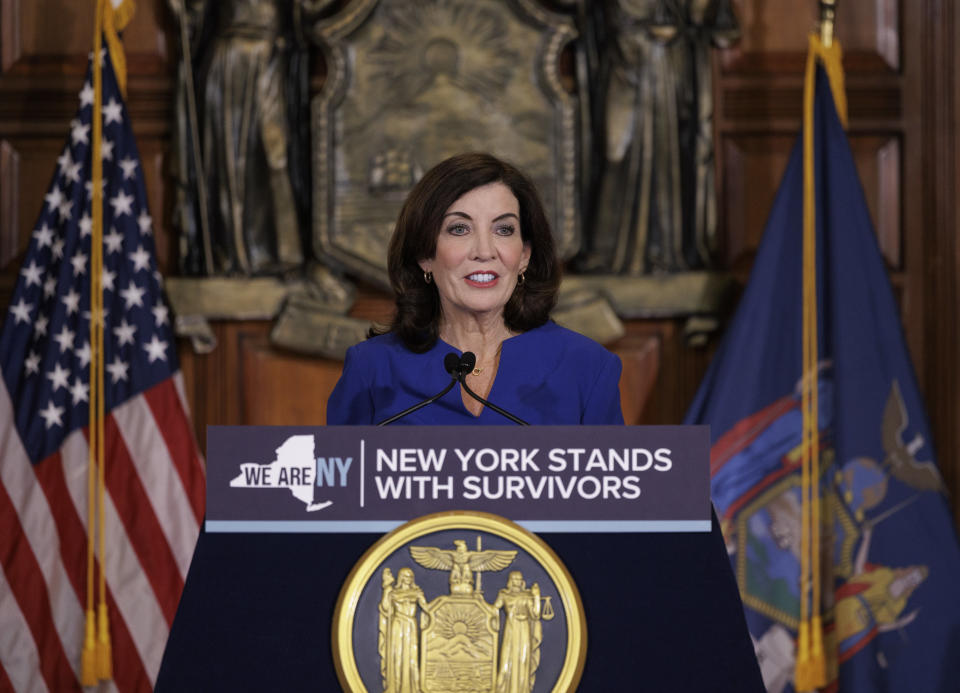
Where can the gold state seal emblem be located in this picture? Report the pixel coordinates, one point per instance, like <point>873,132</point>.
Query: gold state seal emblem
<point>507,637</point>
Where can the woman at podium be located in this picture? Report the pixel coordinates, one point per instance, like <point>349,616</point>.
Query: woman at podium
<point>473,269</point>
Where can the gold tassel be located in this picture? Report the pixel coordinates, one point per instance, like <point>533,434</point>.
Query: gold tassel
<point>104,650</point>
<point>88,660</point>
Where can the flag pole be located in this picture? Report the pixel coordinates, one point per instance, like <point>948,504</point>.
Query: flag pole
<point>811,663</point>
<point>89,660</point>
<point>97,657</point>
<point>102,662</point>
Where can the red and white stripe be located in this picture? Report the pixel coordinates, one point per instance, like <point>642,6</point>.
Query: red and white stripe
<point>153,510</point>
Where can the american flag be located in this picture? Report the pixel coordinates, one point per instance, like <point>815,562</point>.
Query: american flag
<point>154,476</point>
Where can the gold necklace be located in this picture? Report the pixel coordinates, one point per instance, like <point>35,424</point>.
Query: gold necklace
<point>480,369</point>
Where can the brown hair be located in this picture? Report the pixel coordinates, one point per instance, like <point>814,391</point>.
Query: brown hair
<point>417,318</point>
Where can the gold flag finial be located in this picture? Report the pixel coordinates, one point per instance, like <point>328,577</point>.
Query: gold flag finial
<point>828,13</point>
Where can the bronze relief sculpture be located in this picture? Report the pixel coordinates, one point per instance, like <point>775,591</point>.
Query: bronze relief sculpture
<point>299,190</point>
<point>411,83</point>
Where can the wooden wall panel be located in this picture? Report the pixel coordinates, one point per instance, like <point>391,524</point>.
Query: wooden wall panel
<point>44,48</point>
<point>284,389</point>
<point>53,35</point>
<point>9,197</point>
<point>154,154</point>
<point>640,355</point>
<point>932,245</point>
<point>25,185</point>
<point>753,167</point>
<point>774,37</point>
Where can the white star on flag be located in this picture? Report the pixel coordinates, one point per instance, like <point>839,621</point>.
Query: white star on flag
<point>57,249</point>
<point>111,112</point>
<point>106,150</point>
<point>65,339</point>
<point>124,332</point>
<point>73,173</point>
<point>79,392</point>
<point>145,222</point>
<point>129,167</point>
<point>32,273</point>
<point>21,311</point>
<point>118,369</point>
<point>49,286</point>
<point>64,210</point>
<point>54,198</point>
<point>79,262</point>
<point>88,186</point>
<point>132,296</point>
<point>40,326</point>
<point>156,349</point>
<point>83,353</point>
<point>58,377</point>
<point>86,225</point>
<point>108,278</point>
<point>52,415</point>
<point>86,95</point>
<point>113,241</point>
<point>160,312</point>
<point>72,301</point>
<point>65,160</point>
<point>86,314</point>
<point>141,259</point>
<point>44,236</point>
<point>121,204</point>
<point>32,363</point>
<point>80,133</point>
<point>103,51</point>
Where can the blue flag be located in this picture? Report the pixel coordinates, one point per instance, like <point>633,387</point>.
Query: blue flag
<point>890,557</point>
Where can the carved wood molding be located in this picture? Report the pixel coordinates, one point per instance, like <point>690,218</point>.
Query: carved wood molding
<point>9,194</point>
<point>44,105</point>
<point>747,103</point>
<point>735,62</point>
<point>940,288</point>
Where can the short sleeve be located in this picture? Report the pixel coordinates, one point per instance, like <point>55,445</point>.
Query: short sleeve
<point>351,402</point>
<point>602,405</point>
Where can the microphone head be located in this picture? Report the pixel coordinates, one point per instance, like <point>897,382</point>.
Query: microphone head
<point>467,362</point>
<point>451,362</point>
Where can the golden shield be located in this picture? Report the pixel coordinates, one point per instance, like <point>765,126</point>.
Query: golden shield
<point>463,602</point>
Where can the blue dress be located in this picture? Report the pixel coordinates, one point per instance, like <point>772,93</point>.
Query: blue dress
<point>548,375</point>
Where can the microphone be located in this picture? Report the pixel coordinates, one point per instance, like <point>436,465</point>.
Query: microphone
<point>453,364</point>
<point>466,364</point>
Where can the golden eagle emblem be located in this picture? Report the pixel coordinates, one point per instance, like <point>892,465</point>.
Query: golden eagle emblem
<point>462,563</point>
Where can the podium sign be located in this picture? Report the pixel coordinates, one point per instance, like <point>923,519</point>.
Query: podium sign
<point>351,479</point>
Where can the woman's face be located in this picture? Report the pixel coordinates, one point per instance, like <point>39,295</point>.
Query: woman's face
<point>479,253</point>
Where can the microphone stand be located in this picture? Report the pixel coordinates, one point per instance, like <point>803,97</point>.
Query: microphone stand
<point>452,363</point>
<point>467,362</point>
